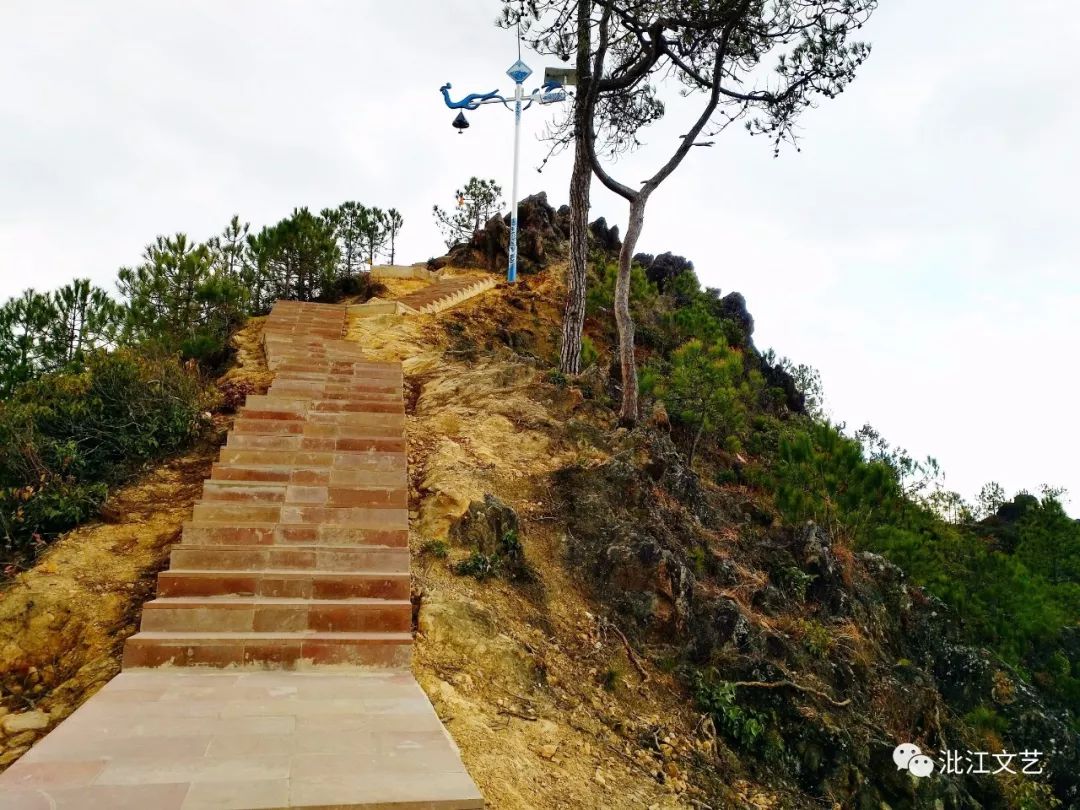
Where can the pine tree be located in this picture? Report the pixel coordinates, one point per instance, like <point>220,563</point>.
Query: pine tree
<point>1050,542</point>
<point>184,296</point>
<point>348,219</point>
<point>476,204</point>
<point>718,52</point>
<point>299,256</point>
<point>83,318</point>
<point>373,232</point>
<point>705,390</point>
<point>162,293</point>
<point>229,249</point>
<point>394,223</point>
<point>24,327</point>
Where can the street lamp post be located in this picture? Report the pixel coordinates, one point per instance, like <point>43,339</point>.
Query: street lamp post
<point>551,92</point>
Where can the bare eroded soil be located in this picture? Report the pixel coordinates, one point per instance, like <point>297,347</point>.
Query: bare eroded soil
<point>538,691</point>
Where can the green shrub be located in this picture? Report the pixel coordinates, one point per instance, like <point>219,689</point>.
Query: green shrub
<point>704,388</point>
<point>589,354</point>
<point>743,726</point>
<point>478,566</point>
<point>439,549</point>
<point>557,378</point>
<point>609,679</point>
<point>792,580</point>
<point>823,476</point>
<point>983,718</point>
<point>65,437</point>
<point>816,637</point>
<point>600,298</point>
<point>697,559</point>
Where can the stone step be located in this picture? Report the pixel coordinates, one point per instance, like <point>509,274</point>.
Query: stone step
<point>323,494</point>
<point>369,403</point>
<point>382,461</point>
<point>310,476</point>
<point>304,413</point>
<point>244,491</point>
<point>232,513</point>
<point>148,741</point>
<point>358,365</point>
<point>298,557</point>
<point>360,517</point>
<point>256,615</point>
<point>347,387</point>
<point>316,495</point>
<point>302,331</point>
<point>366,404</point>
<point>295,584</point>
<point>290,584</point>
<point>341,372</point>
<point>267,534</point>
<point>333,427</point>
<point>300,650</point>
<point>349,444</point>
<point>446,293</point>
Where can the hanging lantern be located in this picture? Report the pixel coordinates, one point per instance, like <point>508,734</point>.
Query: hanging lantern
<point>460,123</point>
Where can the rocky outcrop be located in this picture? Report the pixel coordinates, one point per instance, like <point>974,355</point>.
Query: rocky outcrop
<point>490,529</point>
<point>663,269</point>
<point>542,236</point>
<point>732,307</point>
<point>605,237</point>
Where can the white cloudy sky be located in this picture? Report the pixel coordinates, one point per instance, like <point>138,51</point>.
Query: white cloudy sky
<point>921,251</point>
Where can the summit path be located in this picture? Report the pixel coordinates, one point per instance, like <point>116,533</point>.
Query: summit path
<point>272,669</point>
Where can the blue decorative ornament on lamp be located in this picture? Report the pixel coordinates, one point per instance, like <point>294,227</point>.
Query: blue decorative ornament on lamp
<point>550,93</point>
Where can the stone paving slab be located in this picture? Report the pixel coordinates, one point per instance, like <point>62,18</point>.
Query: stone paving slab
<point>190,740</point>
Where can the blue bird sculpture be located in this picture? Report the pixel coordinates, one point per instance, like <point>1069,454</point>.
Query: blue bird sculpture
<point>470,102</point>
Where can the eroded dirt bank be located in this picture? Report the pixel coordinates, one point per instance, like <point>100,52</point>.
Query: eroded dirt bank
<point>536,688</point>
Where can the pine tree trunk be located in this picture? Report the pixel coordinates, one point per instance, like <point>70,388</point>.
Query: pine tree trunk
<point>580,181</point>
<point>628,413</point>
<point>694,445</point>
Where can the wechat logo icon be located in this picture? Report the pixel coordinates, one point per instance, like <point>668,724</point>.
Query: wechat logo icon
<point>910,758</point>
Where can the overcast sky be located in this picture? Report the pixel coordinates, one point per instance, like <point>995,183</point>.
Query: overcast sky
<point>921,251</point>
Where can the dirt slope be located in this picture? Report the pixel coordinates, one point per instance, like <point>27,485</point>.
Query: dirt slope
<point>538,690</point>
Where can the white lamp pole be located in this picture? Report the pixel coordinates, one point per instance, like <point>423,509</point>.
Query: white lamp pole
<point>519,72</point>
<point>551,92</point>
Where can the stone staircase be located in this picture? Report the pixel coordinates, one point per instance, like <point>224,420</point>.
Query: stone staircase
<point>446,292</point>
<point>271,669</point>
<point>297,555</point>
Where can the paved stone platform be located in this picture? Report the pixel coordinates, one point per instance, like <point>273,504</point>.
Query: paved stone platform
<point>189,740</point>
<point>271,671</point>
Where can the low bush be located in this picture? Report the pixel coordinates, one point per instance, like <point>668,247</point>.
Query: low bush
<point>716,697</point>
<point>66,437</point>
<point>479,566</point>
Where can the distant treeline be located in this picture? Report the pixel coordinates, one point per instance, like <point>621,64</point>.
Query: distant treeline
<point>186,297</point>
<point>93,387</point>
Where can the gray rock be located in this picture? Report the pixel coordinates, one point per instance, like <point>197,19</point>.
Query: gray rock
<point>25,721</point>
